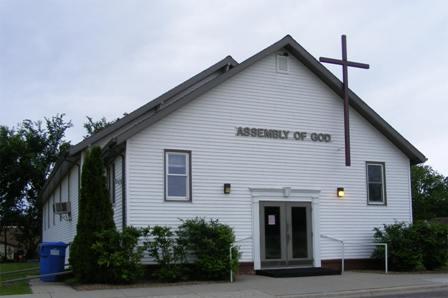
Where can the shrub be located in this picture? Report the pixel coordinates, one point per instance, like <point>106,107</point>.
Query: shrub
<point>403,252</point>
<point>413,246</point>
<point>207,246</point>
<point>119,255</point>
<point>167,253</point>
<point>95,215</point>
<point>433,242</point>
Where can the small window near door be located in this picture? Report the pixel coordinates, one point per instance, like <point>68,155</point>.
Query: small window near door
<point>376,183</point>
<point>177,175</point>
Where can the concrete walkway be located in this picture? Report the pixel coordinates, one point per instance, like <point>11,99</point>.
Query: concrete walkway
<point>350,284</point>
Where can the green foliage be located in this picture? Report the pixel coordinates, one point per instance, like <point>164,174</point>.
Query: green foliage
<point>27,156</point>
<point>433,242</point>
<point>415,246</point>
<point>119,255</point>
<point>403,252</point>
<point>16,288</point>
<point>163,248</point>
<point>429,193</point>
<point>95,215</point>
<point>207,244</point>
<point>92,126</point>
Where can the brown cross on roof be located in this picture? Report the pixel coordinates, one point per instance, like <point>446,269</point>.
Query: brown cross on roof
<point>345,64</point>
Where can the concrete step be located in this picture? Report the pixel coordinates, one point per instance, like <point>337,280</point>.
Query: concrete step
<point>297,272</point>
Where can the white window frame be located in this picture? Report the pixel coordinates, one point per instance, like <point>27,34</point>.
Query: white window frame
<point>187,175</point>
<point>383,183</point>
<point>279,56</point>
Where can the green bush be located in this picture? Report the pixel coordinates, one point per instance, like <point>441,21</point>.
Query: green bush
<point>95,215</point>
<point>163,248</point>
<point>119,255</point>
<point>403,252</point>
<point>207,244</point>
<point>433,242</point>
<point>415,246</point>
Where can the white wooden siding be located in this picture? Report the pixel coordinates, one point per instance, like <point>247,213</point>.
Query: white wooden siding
<point>261,97</point>
<point>64,230</point>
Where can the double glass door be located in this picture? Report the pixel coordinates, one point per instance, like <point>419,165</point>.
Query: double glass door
<point>286,236</point>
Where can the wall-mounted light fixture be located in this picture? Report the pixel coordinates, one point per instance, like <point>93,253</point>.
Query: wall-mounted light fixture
<point>227,188</point>
<point>340,192</point>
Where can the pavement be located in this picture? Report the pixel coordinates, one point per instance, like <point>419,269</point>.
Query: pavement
<point>349,284</point>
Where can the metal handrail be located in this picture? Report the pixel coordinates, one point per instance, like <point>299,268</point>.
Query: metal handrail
<point>230,254</point>
<point>386,254</point>
<point>343,249</point>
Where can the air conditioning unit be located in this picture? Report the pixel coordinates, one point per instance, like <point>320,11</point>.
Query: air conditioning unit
<point>61,208</point>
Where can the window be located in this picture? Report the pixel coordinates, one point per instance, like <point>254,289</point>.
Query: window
<point>177,175</point>
<point>111,182</point>
<point>282,63</point>
<point>376,183</point>
<point>60,198</point>
<point>48,212</point>
<point>54,215</point>
<point>44,217</point>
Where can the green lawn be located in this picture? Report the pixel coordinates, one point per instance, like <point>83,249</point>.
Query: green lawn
<point>17,287</point>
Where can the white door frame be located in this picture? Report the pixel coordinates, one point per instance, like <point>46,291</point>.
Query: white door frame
<point>285,194</point>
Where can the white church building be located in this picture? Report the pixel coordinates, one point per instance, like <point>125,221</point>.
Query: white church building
<point>258,145</point>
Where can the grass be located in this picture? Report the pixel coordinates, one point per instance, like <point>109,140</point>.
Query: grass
<point>16,288</point>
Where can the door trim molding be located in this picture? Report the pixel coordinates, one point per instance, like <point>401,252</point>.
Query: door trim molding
<point>284,194</point>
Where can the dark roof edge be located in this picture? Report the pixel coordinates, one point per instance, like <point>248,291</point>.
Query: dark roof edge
<point>153,103</point>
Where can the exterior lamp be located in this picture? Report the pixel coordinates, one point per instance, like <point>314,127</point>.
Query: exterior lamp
<point>227,188</point>
<point>340,192</point>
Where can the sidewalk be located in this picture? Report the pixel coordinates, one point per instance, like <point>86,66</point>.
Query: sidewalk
<point>350,284</point>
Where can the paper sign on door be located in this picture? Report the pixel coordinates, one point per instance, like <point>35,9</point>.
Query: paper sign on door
<point>271,220</point>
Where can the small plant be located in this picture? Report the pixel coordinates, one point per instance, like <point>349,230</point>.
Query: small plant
<point>163,248</point>
<point>119,255</point>
<point>207,243</point>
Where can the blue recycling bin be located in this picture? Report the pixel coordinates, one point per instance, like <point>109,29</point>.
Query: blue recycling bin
<point>52,259</point>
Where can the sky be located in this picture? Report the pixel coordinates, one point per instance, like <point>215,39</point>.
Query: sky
<point>105,58</point>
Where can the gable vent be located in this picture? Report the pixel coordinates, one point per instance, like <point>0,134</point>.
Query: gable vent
<point>282,63</point>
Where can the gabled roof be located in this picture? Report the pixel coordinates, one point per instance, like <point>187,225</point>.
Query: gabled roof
<point>179,96</point>
<point>64,164</point>
<point>155,104</point>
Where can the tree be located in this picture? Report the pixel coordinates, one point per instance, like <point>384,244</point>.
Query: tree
<point>93,126</point>
<point>27,156</point>
<point>95,216</point>
<point>429,193</point>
